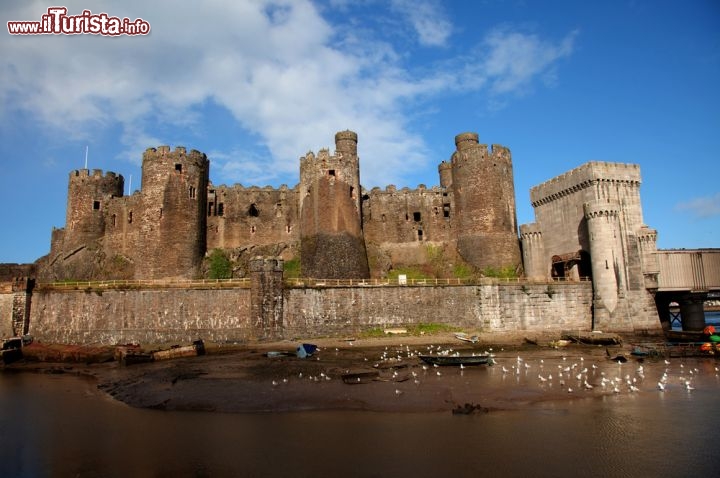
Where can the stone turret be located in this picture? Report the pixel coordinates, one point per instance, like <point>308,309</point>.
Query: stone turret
<point>173,214</point>
<point>484,193</point>
<point>331,236</point>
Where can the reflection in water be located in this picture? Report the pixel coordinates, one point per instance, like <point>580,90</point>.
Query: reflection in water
<point>62,426</point>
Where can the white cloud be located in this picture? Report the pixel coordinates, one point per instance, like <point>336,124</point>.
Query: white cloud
<point>427,19</point>
<point>514,59</point>
<point>287,75</point>
<point>702,207</point>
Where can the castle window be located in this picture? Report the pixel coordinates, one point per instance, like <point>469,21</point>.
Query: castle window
<point>113,219</point>
<point>252,230</point>
<point>192,192</point>
<point>352,192</point>
<point>288,228</point>
<point>178,167</point>
<point>221,209</point>
<point>130,217</point>
<point>253,211</point>
<point>331,172</point>
<point>161,211</point>
<point>96,205</point>
<point>446,210</point>
<point>210,209</point>
<point>416,216</point>
<point>420,235</point>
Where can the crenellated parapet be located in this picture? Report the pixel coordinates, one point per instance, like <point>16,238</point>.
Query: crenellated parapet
<point>595,174</point>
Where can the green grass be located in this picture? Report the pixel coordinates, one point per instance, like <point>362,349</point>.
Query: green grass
<point>291,268</point>
<point>412,273</point>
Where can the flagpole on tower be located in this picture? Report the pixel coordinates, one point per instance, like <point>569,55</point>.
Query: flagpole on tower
<point>86,154</point>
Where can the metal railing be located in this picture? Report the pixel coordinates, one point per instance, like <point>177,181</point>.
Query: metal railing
<point>307,282</point>
<point>297,282</point>
<point>147,284</point>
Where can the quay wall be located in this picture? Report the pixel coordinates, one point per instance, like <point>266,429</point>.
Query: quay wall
<point>500,309</point>
<point>225,315</point>
<point>6,307</point>
<point>112,317</point>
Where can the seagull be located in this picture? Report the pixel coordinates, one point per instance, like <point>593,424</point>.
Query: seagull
<point>661,386</point>
<point>398,392</point>
<point>688,386</point>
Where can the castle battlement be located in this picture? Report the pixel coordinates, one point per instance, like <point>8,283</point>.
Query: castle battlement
<point>96,174</point>
<point>583,177</point>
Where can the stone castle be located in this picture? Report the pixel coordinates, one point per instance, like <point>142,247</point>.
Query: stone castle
<point>328,221</point>
<point>588,262</point>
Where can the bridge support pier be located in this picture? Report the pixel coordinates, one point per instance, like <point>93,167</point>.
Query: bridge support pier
<point>692,311</point>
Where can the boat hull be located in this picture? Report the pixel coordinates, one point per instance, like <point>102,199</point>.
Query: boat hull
<point>449,360</point>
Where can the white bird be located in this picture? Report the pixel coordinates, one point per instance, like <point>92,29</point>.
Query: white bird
<point>438,373</point>
<point>661,386</point>
<point>588,386</point>
<point>398,392</point>
<point>542,379</point>
<point>688,386</point>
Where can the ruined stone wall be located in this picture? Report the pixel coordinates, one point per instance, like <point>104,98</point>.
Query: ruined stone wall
<point>240,217</point>
<point>407,216</point>
<point>144,316</point>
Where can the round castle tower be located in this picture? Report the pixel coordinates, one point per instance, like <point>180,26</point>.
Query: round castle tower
<point>484,193</point>
<point>173,218</point>
<point>332,245</point>
<point>607,261</point>
<point>533,251</point>
<point>88,195</point>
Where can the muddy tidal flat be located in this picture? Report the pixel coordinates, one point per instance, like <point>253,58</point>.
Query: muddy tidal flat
<point>386,375</point>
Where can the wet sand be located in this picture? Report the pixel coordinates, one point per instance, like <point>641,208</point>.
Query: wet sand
<point>237,379</point>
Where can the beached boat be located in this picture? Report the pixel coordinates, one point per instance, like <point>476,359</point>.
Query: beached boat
<point>482,359</point>
<point>11,349</point>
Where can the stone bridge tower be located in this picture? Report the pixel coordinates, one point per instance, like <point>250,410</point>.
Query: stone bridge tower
<point>484,193</point>
<point>332,245</point>
<point>173,217</point>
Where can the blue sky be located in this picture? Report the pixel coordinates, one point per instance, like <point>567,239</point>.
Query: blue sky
<point>257,84</point>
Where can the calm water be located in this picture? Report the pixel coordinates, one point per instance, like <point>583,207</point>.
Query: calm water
<point>57,426</point>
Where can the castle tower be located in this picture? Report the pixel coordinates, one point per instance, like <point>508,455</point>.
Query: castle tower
<point>445,172</point>
<point>482,183</point>
<point>88,195</point>
<point>332,245</point>
<point>533,251</point>
<point>173,214</point>
<point>608,264</point>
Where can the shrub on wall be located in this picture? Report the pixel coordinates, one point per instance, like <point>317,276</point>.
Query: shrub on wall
<point>220,266</point>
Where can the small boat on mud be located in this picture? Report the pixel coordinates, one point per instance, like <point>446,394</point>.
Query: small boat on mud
<point>443,360</point>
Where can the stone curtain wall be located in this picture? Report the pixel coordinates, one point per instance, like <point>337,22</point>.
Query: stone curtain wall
<point>6,315</point>
<point>492,309</point>
<point>143,316</point>
<point>182,315</point>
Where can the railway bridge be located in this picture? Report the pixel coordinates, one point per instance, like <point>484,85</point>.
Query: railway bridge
<point>688,277</point>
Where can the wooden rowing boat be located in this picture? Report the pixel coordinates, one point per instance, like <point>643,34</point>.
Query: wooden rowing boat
<point>442,360</point>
